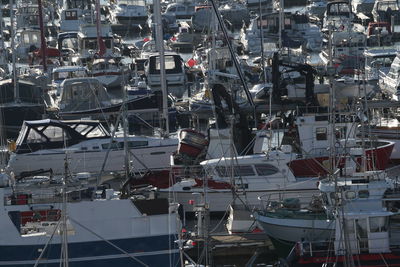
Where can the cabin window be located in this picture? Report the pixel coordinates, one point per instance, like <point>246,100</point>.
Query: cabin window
<point>321,134</point>
<point>350,194</point>
<point>172,9</point>
<point>169,63</point>
<point>35,137</point>
<point>135,143</point>
<point>71,15</point>
<point>238,171</point>
<point>244,171</point>
<point>378,224</point>
<point>84,148</point>
<point>55,134</point>
<point>181,9</point>
<point>265,169</point>
<point>111,146</point>
<point>96,147</point>
<point>363,194</point>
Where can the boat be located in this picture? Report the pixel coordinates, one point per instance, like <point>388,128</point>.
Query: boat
<point>88,44</point>
<point>131,13</point>
<point>363,6</point>
<point>36,216</point>
<point>174,73</point>
<point>362,229</point>
<point>389,82</point>
<point>387,11</point>
<point>40,145</point>
<point>316,8</point>
<point>312,132</point>
<point>180,10</point>
<point>66,72</point>
<point>15,107</point>
<point>377,63</point>
<point>109,73</point>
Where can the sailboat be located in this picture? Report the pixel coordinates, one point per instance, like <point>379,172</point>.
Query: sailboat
<point>31,224</point>
<point>19,100</point>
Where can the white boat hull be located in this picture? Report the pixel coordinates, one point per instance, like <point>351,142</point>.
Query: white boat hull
<point>295,230</point>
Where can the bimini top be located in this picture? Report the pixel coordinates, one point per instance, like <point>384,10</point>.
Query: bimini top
<point>51,134</point>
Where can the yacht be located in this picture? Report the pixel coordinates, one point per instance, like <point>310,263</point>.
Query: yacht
<point>131,13</point>
<point>43,144</point>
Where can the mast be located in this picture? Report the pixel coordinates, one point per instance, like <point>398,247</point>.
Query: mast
<point>160,48</point>
<point>14,69</point>
<point>42,37</point>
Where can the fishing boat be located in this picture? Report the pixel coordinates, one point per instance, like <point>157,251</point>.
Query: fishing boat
<point>362,230</point>
<point>37,221</point>
<point>311,134</point>
<point>40,146</point>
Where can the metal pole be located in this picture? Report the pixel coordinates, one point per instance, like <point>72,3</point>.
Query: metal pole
<point>14,69</point>
<point>42,37</point>
<point>160,49</point>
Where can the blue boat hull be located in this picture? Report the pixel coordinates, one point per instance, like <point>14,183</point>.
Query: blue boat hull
<point>151,251</point>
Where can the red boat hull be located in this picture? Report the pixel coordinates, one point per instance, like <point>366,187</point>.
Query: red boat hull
<point>377,159</point>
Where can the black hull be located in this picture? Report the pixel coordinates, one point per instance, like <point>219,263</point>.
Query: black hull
<point>13,115</point>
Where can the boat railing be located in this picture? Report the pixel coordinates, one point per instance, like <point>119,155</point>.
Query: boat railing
<point>291,201</point>
<point>32,198</point>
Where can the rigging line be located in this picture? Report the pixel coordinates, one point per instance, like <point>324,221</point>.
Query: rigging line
<point>47,243</point>
<point>234,58</point>
<point>109,147</point>
<point>109,242</point>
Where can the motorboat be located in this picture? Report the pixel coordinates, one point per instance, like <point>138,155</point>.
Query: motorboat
<point>109,72</point>
<point>44,144</point>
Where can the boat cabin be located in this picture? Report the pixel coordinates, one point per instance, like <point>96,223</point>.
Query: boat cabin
<point>174,69</point>
<point>66,72</point>
<point>88,42</point>
<point>378,61</point>
<point>28,40</point>
<point>82,94</point>
<point>180,10</point>
<point>389,83</point>
<point>50,134</point>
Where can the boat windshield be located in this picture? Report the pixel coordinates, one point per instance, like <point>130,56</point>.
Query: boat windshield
<point>62,75</point>
<point>383,6</point>
<point>90,131</point>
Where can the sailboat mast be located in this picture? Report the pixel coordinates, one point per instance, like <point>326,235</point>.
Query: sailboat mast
<point>42,37</point>
<point>14,69</point>
<point>160,49</point>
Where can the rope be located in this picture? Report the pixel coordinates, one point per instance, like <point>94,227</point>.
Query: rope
<point>110,243</point>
